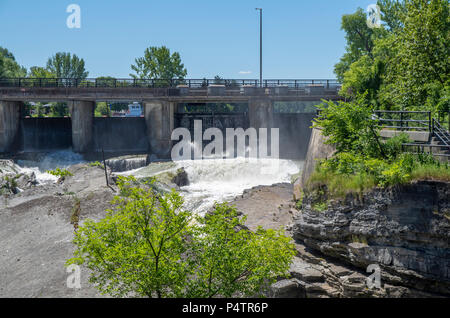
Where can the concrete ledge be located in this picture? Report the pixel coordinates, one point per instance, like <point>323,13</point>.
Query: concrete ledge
<point>216,90</point>
<point>281,90</point>
<point>315,89</point>
<point>422,136</point>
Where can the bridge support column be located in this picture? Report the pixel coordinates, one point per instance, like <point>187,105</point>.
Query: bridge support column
<point>260,112</point>
<point>82,114</point>
<point>9,124</point>
<point>159,118</point>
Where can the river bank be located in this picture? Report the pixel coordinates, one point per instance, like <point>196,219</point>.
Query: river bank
<point>38,222</point>
<point>334,244</point>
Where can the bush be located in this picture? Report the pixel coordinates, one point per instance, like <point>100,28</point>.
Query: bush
<point>62,173</point>
<point>347,173</point>
<point>148,245</point>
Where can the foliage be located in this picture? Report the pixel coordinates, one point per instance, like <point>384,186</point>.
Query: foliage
<point>62,173</point>
<point>392,13</point>
<point>349,173</point>
<point>59,110</point>
<point>320,206</point>
<point>106,81</point>
<point>404,64</point>
<point>96,164</point>
<point>9,184</point>
<point>149,246</point>
<point>230,259</point>
<point>360,40</point>
<point>418,74</point>
<point>66,65</point>
<point>158,63</point>
<point>102,109</point>
<point>8,65</point>
<point>40,72</point>
<point>348,126</point>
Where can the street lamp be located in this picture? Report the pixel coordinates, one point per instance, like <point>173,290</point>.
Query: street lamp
<point>260,46</point>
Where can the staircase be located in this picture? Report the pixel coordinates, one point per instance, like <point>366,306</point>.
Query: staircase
<point>441,139</point>
<point>437,138</point>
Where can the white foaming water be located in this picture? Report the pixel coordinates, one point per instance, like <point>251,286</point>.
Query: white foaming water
<point>57,159</point>
<point>221,180</point>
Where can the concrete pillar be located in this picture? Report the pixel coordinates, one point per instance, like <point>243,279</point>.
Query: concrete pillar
<point>260,112</point>
<point>159,119</point>
<point>9,124</point>
<point>82,114</point>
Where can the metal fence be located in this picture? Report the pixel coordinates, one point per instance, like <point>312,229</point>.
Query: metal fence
<point>404,120</point>
<point>165,83</point>
<point>417,121</point>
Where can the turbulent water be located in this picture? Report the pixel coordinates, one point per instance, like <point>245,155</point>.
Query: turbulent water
<point>211,180</point>
<point>222,180</point>
<point>57,159</point>
<point>216,180</point>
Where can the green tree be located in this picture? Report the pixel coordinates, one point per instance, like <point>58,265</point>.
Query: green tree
<point>392,13</point>
<point>360,40</point>
<point>349,127</point>
<point>66,65</point>
<point>231,259</point>
<point>40,72</point>
<point>159,63</point>
<point>102,109</point>
<point>9,68</point>
<point>417,74</point>
<point>149,246</point>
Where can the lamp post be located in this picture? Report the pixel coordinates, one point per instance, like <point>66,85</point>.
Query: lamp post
<point>260,46</point>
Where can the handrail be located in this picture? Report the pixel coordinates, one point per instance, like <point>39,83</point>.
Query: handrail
<point>430,124</point>
<point>163,83</point>
<point>441,133</point>
<point>405,119</point>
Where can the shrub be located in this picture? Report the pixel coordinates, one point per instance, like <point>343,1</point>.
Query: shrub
<point>62,173</point>
<point>148,245</point>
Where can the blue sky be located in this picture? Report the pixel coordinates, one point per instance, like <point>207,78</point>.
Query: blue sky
<point>302,39</point>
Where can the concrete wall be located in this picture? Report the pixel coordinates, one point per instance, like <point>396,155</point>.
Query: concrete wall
<point>126,134</point>
<point>159,119</point>
<point>317,149</point>
<point>9,124</point>
<point>295,133</point>
<point>260,113</point>
<point>82,114</point>
<point>41,134</point>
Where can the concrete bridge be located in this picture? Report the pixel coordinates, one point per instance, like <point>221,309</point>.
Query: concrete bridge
<point>160,99</point>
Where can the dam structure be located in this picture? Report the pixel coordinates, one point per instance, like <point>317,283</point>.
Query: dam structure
<point>167,104</point>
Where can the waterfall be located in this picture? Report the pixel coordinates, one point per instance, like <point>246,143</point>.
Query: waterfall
<point>126,163</point>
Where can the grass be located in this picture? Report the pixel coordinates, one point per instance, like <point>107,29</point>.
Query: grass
<point>431,172</point>
<point>320,206</point>
<point>96,164</point>
<point>359,239</point>
<point>339,185</point>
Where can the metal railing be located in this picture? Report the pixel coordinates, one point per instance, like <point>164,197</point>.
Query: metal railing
<point>404,120</point>
<point>417,121</point>
<point>164,83</point>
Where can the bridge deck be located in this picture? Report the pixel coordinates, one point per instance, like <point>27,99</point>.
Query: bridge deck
<point>171,94</point>
<point>60,89</point>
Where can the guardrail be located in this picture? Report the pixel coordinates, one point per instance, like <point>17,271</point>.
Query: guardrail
<point>164,83</point>
<point>417,121</point>
<point>404,120</point>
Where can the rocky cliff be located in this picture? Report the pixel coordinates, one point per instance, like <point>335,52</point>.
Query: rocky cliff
<point>404,230</point>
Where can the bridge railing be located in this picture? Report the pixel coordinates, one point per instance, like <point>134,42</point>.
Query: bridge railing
<point>165,83</point>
